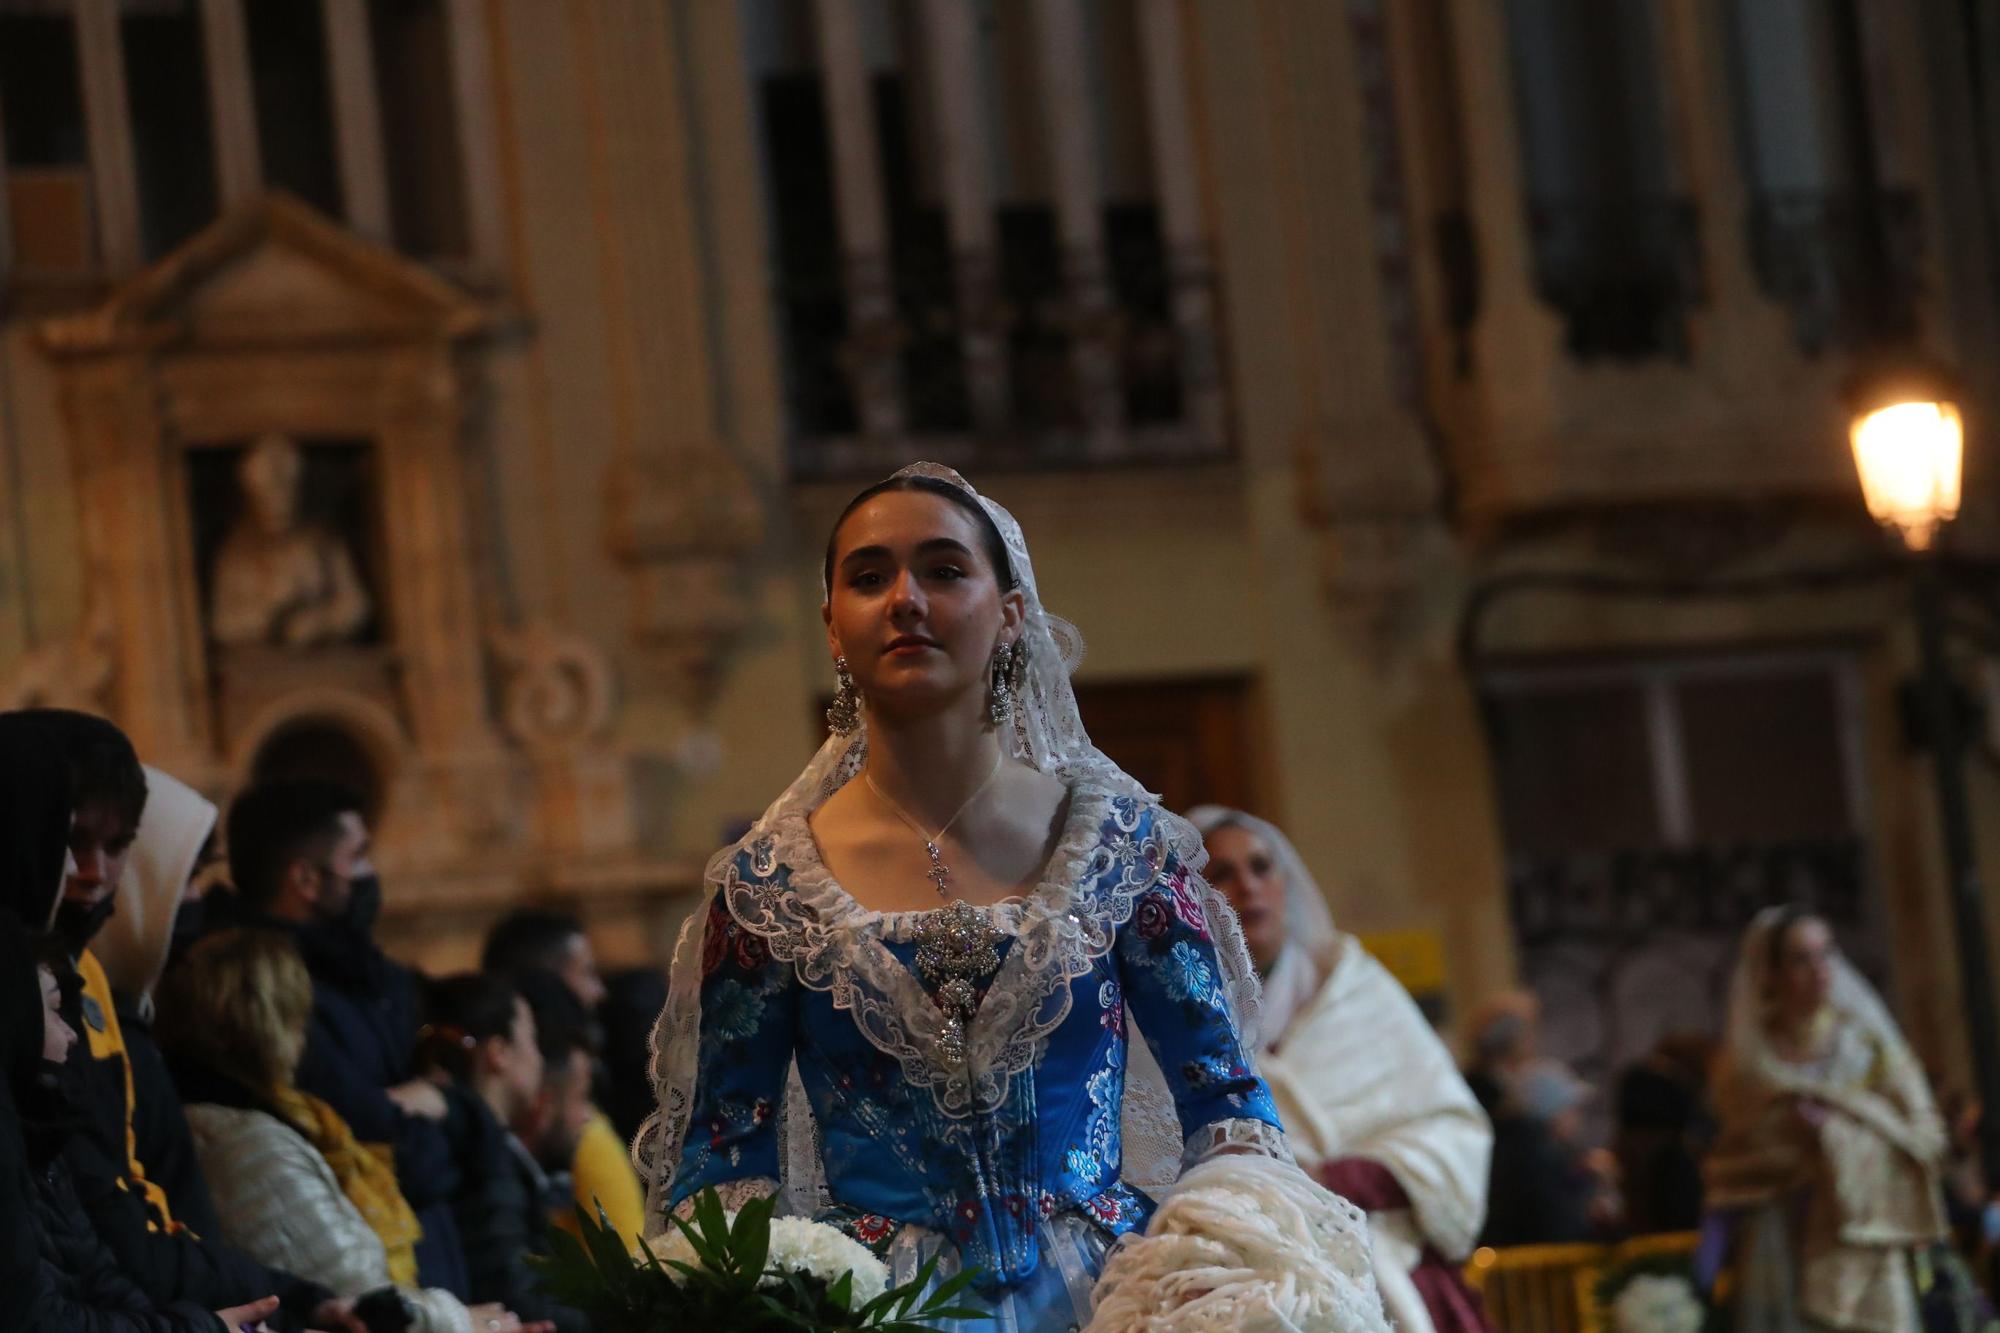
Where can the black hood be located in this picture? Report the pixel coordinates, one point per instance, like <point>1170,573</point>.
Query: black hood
<point>34,814</point>
<point>20,1011</point>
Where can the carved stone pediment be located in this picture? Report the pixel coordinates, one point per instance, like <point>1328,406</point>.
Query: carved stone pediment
<point>272,275</point>
<point>274,436</point>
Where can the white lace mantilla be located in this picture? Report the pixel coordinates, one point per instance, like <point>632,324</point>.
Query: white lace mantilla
<point>840,947</point>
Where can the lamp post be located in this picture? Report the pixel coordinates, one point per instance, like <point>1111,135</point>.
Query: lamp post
<point>1909,449</point>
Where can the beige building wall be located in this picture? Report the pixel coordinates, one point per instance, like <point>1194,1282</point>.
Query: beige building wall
<point>628,389</point>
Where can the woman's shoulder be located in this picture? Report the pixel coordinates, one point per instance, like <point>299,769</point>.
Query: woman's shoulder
<point>217,1123</point>
<point>251,1141</point>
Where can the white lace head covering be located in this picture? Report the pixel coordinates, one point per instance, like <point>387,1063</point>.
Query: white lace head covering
<point>1047,732</point>
<point>1753,995</point>
<point>1309,932</point>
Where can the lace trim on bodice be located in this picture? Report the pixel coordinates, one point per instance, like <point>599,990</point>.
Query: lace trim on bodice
<point>1108,854</point>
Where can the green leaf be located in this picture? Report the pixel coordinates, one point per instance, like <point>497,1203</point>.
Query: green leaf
<point>607,1247</point>
<point>841,1293</point>
<point>951,1286</point>
<point>712,1249</point>
<point>751,1240</point>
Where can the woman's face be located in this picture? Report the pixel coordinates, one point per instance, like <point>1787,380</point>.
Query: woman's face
<point>1805,966</point>
<point>915,606</point>
<point>1244,869</point>
<point>57,1036</point>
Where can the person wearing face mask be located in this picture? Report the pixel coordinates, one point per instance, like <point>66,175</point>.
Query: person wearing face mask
<point>59,1275</point>
<point>300,862</point>
<point>92,766</point>
<point>79,1286</point>
<point>108,796</point>
<point>1371,1099</point>
<point>1823,1180</point>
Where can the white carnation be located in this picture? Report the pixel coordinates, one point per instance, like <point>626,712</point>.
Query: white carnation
<point>799,1246</point>
<point>1651,1303</point>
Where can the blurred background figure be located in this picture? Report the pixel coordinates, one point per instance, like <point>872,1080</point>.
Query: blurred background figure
<point>1663,1128</point>
<point>1503,1040</point>
<point>1547,1187</point>
<point>1371,1100</point>
<point>546,954</point>
<point>1824,1181</point>
<point>482,1041</point>
<point>292,1184</point>
<point>632,1006</point>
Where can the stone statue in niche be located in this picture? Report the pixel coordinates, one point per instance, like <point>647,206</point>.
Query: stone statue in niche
<point>276,579</point>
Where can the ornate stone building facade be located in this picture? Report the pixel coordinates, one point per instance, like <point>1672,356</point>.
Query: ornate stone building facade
<point>1338,355</point>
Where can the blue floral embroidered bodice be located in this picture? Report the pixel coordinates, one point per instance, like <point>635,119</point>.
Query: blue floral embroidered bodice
<point>1027,1124</point>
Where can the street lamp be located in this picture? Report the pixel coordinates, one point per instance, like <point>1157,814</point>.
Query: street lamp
<point>1909,447</point>
<point>1909,451</point>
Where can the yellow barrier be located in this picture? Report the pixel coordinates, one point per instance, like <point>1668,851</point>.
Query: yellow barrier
<point>1553,1288</point>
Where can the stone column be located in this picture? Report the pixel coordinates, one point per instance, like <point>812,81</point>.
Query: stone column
<point>107,116</point>
<point>1737,331</point>
<point>874,341</point>
<point>682,515</point>
<point>357,118</point>
<point>1183,223</point>
<point>1517,341</point>
<point>1898,92</point>
<point>232,104</point>
<point>6,212</point>
<point>473,97</point>
<point>461,799</point>
<point>959,129</point>
<point>436,610</point>
<point>1073,141</point>
<point>112,406</point>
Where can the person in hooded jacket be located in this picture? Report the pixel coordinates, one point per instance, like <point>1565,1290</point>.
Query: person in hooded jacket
<point>92,766</point>
<point>58,1275</point>
<point>300,862</point>
<point>158,912</point>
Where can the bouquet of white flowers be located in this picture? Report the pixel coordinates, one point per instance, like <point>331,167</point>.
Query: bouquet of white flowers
<point>813,1249</point>
<point>746,1271</point>
<point>1658,1303</point>
<point>1654,1292</point>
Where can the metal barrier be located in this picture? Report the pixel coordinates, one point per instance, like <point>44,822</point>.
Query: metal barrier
<point>1553,1288</point>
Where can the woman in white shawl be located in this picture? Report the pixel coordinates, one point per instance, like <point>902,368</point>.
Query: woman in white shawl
<point>1370,1097</point>
<point>1826,1163</point>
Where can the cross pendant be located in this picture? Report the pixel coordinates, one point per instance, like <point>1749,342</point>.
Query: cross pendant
<point>940,873</point>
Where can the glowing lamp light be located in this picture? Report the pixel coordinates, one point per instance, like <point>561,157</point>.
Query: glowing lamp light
<point>1910,449</point>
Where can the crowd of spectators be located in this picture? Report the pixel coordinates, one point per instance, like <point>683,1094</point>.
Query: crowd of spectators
<point>230,1109</point>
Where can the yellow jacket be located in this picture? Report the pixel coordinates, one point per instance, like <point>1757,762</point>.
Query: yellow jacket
<point>603,1172</point>
<point>107,1042</point>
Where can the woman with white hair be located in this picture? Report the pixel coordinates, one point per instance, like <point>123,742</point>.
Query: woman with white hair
<point>1371,1100</point>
